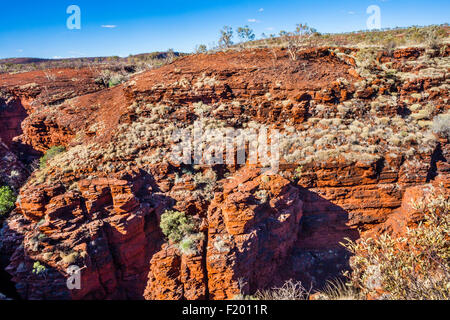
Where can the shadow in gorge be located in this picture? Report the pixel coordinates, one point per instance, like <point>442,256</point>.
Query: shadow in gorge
<point>318,255</point>
<point>12,114</point>
<point>7,286</point>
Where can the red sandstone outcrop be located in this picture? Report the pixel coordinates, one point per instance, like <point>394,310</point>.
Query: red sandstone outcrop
<point>253,226</point>
<point>103,229</point>
<point>23,94</point>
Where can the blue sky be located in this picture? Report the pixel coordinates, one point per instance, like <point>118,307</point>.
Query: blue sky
<point>118,27</point>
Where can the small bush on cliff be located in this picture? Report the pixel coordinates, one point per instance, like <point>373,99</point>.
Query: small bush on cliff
<point>181,231</point>
<point>413,267</point>
<point>51,153</point>
<point>7,200</point>
<point>38,268</point>
<point>190,243</point>
<point>116,80</point>
<point>176,225</point>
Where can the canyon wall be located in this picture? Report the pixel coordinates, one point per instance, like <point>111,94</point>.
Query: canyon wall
<point>98,205</point>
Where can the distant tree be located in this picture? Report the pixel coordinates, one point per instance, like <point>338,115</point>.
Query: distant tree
<point>201,49</point>
<point>226,35</point>
<point>246,34</point>
<point>304,30</point>
<point>302,36</point>
<point>268,41</point>
<point>170,55</point>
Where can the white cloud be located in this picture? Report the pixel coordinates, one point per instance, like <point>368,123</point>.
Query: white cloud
<point>261,10</point>
<point>20,50</point>
<point>253,21</point>
<point>351,12</point>
<point>75,54</point>
<point>109,26</point>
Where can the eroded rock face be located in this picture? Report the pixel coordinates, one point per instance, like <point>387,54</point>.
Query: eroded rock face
<point>251,229</point>
<point>12,114</point>
<point>22,95</point>
<point>174,276</point>
<point>103,229</point>
<point>253,226</point>
<point>98,206</point>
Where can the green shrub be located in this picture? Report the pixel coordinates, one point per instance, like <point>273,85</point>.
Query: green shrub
<point>50,154</point>
<point>176,225</point>
<point>115,81</point>
<point>38,268</point>
<point>299,172</point>
<point>413,267</point>
<point>7,200</point>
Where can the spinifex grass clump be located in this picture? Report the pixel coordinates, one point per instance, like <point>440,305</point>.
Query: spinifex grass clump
<point>51,153</point>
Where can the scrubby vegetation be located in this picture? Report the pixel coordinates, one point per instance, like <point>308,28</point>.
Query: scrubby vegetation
<point>133,62</point>
<point>387,38</point>
<point>181,229</point>
<point>291,290</point>
<point>441,125</point>
<point>413,267</point>
<point>294,290</point>
<point>50,154</point>
<point>7,200</point>
<point>306,36</point>
<point>176,225</point>
<point>110,78</point>
<point>338,290</point>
